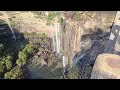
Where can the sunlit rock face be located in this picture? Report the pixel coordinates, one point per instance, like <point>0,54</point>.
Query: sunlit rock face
<point>107,66</point>
<point>94,41</point>
<point>77,36</point>
<point>83,36</point>
<point>71,39</point>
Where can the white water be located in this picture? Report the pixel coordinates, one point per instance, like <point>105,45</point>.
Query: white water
<point>78,58</point>
<point>56,37</point>
<point>56,43</point>
<point>65,63</point>
<point>53,43</point>
<point>7,20</point>
<point>53,39</point>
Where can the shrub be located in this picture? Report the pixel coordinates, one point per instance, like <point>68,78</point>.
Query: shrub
<point>2,67</point>
<point>73,73</point>
<point>52,15</point>
<point>8,62</point>
<point>24,55</point>
<point>61,21</point>
<point>15,73</point>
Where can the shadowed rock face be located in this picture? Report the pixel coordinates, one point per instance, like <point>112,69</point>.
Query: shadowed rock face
<point>5,32</point>
<point>94,41</point>
<point>71,40</point>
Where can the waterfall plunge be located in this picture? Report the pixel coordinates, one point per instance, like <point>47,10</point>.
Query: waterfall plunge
<point>56,37</point>
<point>7,20</point>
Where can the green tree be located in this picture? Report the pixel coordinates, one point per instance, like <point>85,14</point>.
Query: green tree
<point>15,73</point>
<point>8,62</point>
<point>19,62</point>
<point>73,73</point>
<point>24,54</point>
<point>29,48</point>
<point>22,59</point>
<point>7,75</point>
<point>2,67</point>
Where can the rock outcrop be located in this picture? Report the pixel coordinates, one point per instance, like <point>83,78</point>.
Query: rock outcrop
<point>107,66</point>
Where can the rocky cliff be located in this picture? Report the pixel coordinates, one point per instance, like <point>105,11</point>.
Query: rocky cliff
<point>73,33</point>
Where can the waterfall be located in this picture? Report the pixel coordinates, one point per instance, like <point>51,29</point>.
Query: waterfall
<point>56,37</point>
<point>56,43</point>
<point>65,63</point>
<point>7,20</point>
<point>53,43</point>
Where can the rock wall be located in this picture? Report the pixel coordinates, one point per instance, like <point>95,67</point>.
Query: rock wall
<point>71,40</point>
<point>79,35</point>
<point>106,67</point>
<point>78,24</point>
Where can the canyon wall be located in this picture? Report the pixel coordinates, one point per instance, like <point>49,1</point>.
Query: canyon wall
<point>67,38</point>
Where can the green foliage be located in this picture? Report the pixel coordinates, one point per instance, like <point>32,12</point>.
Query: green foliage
<point>7,75</point>
<point>8,62</point>
<point>15,73</point>
<point>61,21</point>
<point>73,73</point>
<point>5,62</point>
<point>22,58</point>
<point>52,15</point>
<point>24,54</point>
<point>2,67</point>
<point>41,35</point>
<point>20,62</point>
<point>29,48</point>
<point>78,16</point>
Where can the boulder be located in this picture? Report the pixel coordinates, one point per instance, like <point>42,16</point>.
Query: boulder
<point>106,66</point>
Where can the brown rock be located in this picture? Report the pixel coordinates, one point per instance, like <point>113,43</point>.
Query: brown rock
<point>107,66</point>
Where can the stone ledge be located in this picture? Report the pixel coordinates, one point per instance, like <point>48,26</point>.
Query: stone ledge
<point>107,66</point>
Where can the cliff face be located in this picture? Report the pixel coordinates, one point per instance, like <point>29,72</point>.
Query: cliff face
<point>71,40</point>
<point>72,37</point>
<point>81,31</point>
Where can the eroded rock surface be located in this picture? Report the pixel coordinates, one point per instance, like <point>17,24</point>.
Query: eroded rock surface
<point>107,66</point>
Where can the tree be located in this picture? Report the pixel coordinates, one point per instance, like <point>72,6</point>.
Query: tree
<point>24,54</point>
<point>2,67</point>
<point>7,75</point>
<point>15,73</point>
<point>29,49</point>
<point>19,62</point>
<point>8,62</point>
<point>73,73</point>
